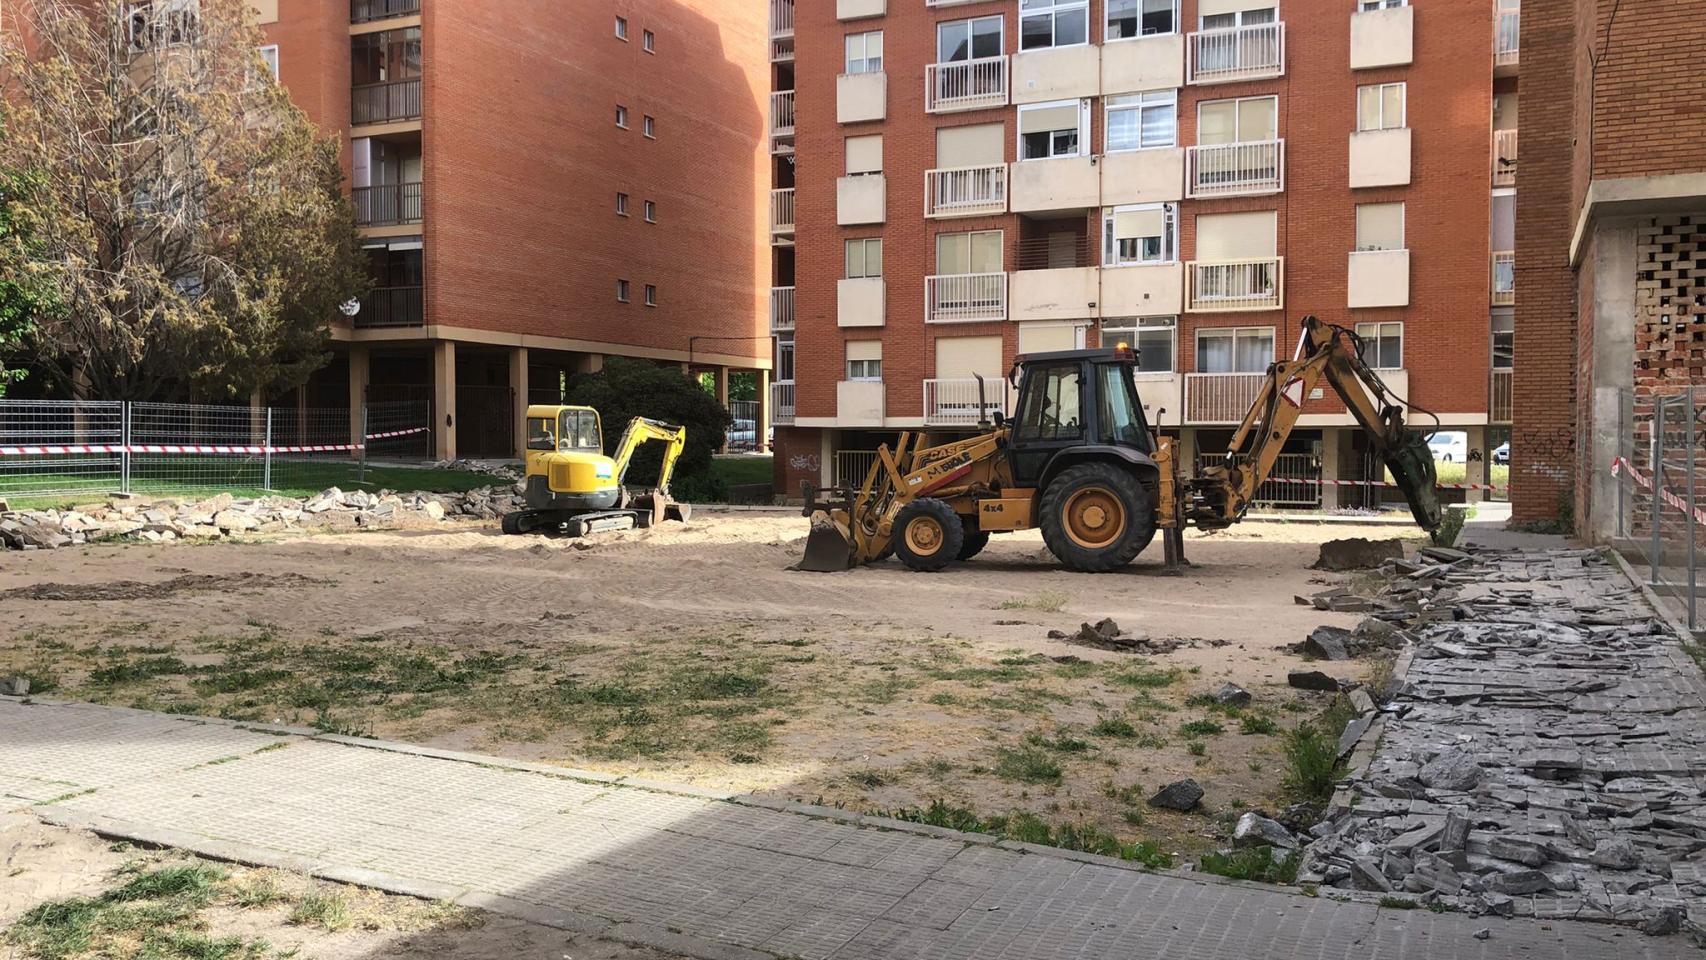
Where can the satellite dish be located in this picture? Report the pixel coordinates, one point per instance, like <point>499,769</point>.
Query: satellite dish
<point>350,307</point>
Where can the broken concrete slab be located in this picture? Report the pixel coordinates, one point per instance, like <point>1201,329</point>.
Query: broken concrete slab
<point>1314,680</point>
<point>1329,643</point>
<point>1358,553</point>
<point>1255,830</point>
<point>1181,795</point>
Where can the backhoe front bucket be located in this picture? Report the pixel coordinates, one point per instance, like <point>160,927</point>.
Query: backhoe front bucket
<point>829,546</point>
<point>1412,466</point>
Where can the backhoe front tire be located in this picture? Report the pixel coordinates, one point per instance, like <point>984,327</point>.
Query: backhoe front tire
<point>927,534</point>
<point>1096,517</point>
<point>975,540</point>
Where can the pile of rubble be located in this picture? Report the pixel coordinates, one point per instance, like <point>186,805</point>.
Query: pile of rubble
<point>1106,634</point>
<point>166,520</point>
<point>1544,756</point>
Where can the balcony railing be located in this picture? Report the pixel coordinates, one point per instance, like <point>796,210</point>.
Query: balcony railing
<point>781,18</point>
<point>392,307</point>
<point>782,402</point>
<point>387,204</point>
<point>781,309</point>
<point>1507,37</point>
<point>385,102</point>
<point>1228,285</point>
<point>965,191</point>
<point>1046,253</point>
<point>1499,394</point>
<point>1504,158</point>
<point>1504,278</point>
<point>782,113</point>
<point>1220,397</point>
<point>1234,169</point>
<point>1236,53</point>
<point>947,3</point>
<point>954,402</point>
<point>362,11</point>
<point>965,297</point>
<point>965,85</point>
<point>782,211</point>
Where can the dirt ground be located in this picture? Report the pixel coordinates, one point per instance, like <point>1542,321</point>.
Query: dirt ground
<point>245,913</point>
<point>691,653</point>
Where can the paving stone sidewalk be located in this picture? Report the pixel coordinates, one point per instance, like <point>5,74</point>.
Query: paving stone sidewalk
<point>680,869</point>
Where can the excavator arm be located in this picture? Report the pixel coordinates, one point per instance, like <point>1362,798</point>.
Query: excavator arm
<point>1224,491</point>
<point>640,430</point>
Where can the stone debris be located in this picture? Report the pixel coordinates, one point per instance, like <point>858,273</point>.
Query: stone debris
<point>1105,634</point>
<point>1181,795</point>
<point>1358,553</point>
<point>1231,695</point>
<point>163,521</point>
<point>15,686</point>
<point>1315,680</point>
<point>1544,756</point>
<point>1255,830</point>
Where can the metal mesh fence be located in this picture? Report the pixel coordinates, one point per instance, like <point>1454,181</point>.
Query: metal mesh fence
<point>1661,496</point>
<point>58,448</point>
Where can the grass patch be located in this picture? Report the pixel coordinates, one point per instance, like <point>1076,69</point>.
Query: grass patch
<point>1200,728</point>
<point>1398,903</point>
<point>1312,762</point>
<point>1257,863</point>
<point>325,909</point>
<point>1061,743</point>
<point>152,914</point>
<point>743,470</point>
<point>1257,725</point>
<point>1025,827</point>
<point>1026,765</point>
<point>1047,602</point>
<point>1145,678</point>
<point>1116,727</point>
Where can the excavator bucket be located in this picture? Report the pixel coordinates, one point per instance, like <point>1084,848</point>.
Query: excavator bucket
<point>658,506</point>
<point>1412,466</point>
<point>829,546</point>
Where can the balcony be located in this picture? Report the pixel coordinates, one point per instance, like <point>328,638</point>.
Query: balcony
<point>781,31</point>
<point>1507,41</point>
<point>955,403</point>
<point>781,309</point>
<point>861,97</point>
<point>366,11</point>
<point>965,191</point>
<point>1143,63</point>
<point>392,307</point>
<point>1057,184</point>
<point>1504,278</point>
<point>965,85</point>
<point>1162,396</point>
<point>965,297</point>
<point>1380,158</point>
<point>859,403</point>
<point>1499,396</point>
<point>1383,38</point>
<point>782,402</point>
<point>782,213</point>
<point>391,102</point>
<point>1378,278</point>
<point>1221,397</point>
<point>1235,169</point>
<point>1504,158</point>
<point>1143,176</point>
<point>859,302</point>
<point>1235,53</point>
<point>1057,73</point>
<point>861,199</point>
<point>1143,290</point>
<point>781,115</point>
<point>1221,286</point>
<point>387,205</point>
<point>859,9</point>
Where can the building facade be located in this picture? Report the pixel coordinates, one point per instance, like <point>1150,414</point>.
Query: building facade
<point>978,179</point>
<point>1612,242</point>
<point>539,186</point>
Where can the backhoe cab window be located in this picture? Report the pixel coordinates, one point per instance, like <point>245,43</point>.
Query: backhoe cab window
<point>541,434</point>
<point>1121,420</point>
<point>1050,408</point>
<point>579,431</point>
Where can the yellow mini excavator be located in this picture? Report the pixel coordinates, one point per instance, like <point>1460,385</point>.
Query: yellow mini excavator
<point>571,485</point>
<point>1079,461</point>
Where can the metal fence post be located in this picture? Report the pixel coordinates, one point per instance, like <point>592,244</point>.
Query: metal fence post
<point>1689,524</point>
<point>124,448</point>
<point>1624,429</point>
<point>1657,445</point>
<point>361,465</point>
<point>266,464</point>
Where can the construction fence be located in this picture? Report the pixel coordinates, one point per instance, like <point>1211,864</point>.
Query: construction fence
<point>1661,493</point>
<point>52,448</point>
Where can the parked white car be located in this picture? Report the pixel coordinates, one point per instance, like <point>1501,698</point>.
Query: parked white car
<point>1502,453</point>
<point>1449,446</point>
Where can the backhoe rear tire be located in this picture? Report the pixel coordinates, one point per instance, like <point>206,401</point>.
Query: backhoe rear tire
<point>975,540</point>
<point>927,534</point>
<point>1096,517</point>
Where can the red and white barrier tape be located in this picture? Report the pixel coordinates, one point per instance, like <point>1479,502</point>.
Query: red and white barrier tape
<point>1645,482</point>
<point>196,448</point>
<point>1378,483</point>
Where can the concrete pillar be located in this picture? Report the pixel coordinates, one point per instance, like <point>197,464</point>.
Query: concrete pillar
<point>444,398</point>
<point>518,385</point>
<point>1187,452</point>
<point>1331,468</point>
<point>358,380</point>
<point>761,426</point>
<point>1475,464</point>
<point>588,362</point>
<point>826,459</point>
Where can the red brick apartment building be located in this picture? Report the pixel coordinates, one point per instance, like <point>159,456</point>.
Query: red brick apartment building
<point>978,179</point>
<point>1612,245</point>
<point>540,185</point>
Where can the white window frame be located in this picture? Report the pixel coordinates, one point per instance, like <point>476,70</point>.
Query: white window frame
<point>621,204</point>
<point>1235,333</point>
<point>1083,149</point>
<point>651,127</point>
<point>651,211</point>
<point>622,116</point>
<point>936,249</point>
<point>1238,18</point>
<point>1363,331</point>
<point>1130,329</point>
<point>1001,33</point>
<point>864,59</point>
<point>269,55</point>
<point>1107,17</point>
<point>785,347</point>
<point>1403,227</point>
<point>1380,99</point>
<point>1169,237</point>
<point>648,41</point>
<point>868,371</point>
<point>1053,9</point>
<point>623,290</point>
<point>1238,118</point>
<point>1366,6</point>
<point>1140,102</point>
<point>863,244</point>
<point>622,29</point>
<point>651,294</point>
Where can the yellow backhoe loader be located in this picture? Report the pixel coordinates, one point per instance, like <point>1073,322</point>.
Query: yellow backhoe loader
<point>1079,461</point>
<point>571,485</point>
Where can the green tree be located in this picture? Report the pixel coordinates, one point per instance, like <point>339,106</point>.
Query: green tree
<point>23,297</point>
<point>625,389</point>
<point>189,227</point>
